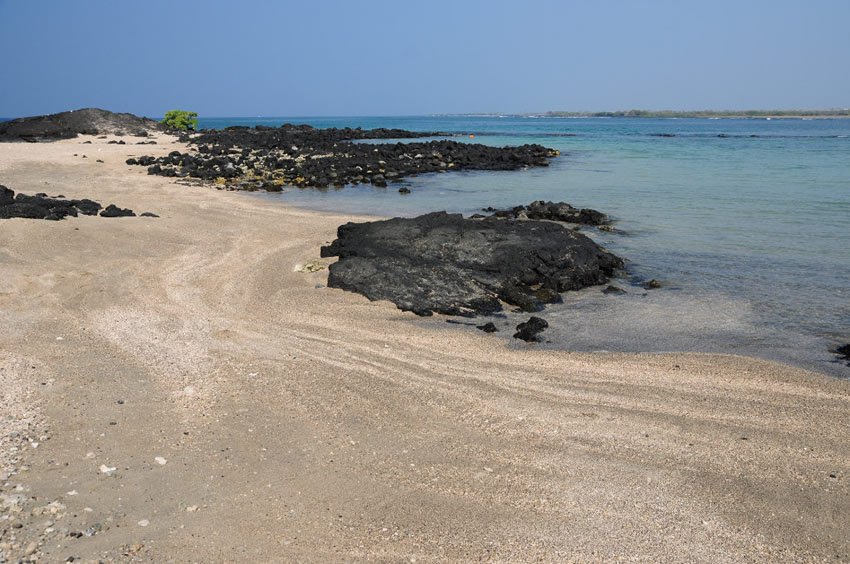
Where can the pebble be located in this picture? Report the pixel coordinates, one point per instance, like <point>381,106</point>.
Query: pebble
<point>160,460</point>
<point>144,523</point>
<point>107,469</point>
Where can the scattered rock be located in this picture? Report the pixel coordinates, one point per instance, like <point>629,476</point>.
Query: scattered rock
<point>551,211</point>
<point>531,329</point>
<point>243,158</point>
<point>652,284</point>
<point>148,214</point>
<point>114,211</point>
<point>488,327</point>
<point>404,190</point>
<point>40,206</point>
<point>161,461</point>
<point>444,263</point>
<point>613,290</point>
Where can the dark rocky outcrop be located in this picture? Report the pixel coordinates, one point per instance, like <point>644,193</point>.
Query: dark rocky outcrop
<point>488,327</point>
<point>843,352</point>
<point>66,125</point>
<point>444,263</point>
<point>262,158</point>
<point>530,330</point>
<point>7,196</point>
<point>114,211</point>
<point>41,206</point>
<point>553,211</point>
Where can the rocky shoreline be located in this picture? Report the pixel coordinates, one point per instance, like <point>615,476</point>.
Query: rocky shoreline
<point>266,158</point>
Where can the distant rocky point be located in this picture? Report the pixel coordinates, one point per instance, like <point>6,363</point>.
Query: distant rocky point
<point>67,125</point>
<point>269,158</point>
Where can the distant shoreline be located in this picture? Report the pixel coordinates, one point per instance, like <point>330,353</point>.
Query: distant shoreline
<point>842,113</point>
<point>718,114</point>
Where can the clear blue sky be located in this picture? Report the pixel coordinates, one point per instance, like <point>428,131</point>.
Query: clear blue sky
<point>394,57</point>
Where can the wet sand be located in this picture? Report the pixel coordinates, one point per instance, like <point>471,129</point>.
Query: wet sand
<point>251,414</point>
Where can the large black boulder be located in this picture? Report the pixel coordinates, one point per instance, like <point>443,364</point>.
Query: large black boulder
<point>443,263</point>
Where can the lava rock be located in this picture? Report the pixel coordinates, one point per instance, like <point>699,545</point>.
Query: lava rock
<point>652,284</point>
<point>843,352</point>
<point>7,195</point>
<point>530,330</point>
<point>552,211</point>
<point>66,125</point>
<point>148,214</point>
<point>23,210</point>
<point>303,156</point>
<point>404,190</point>
<point>114,211</point>
<point>488,327</point>
<point>40,206</point>
<point>443,263</point>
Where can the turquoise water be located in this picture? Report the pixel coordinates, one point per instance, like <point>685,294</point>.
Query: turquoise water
<point>746,222</point>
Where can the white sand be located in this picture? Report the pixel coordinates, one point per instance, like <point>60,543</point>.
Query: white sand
<point>304,423</point>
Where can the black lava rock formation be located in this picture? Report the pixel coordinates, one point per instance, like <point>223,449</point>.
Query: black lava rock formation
<point>265,158</point>
<point>530,330</point>
<point>41,206</point>
<point>114,211</point>
<point>66,125</point>
<point>552,211</point>
<point>444,263</point>
<point>843,352</point>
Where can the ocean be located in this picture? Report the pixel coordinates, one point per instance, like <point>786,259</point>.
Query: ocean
<point>745,222</point>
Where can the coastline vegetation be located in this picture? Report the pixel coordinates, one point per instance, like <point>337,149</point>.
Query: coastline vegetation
<point>180,119</point>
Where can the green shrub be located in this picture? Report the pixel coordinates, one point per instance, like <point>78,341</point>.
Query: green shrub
<point>180,119</point>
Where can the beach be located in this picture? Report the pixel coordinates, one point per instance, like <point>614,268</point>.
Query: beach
<point>179,388</point>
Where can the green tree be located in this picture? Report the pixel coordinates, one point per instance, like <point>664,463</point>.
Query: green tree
<point>180,119</point>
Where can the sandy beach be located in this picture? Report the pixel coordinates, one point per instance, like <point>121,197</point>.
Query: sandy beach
<point>177,389</point>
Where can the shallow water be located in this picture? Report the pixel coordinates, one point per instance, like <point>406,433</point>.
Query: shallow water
<point>745,222</point>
